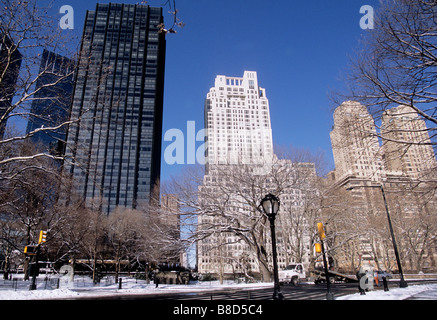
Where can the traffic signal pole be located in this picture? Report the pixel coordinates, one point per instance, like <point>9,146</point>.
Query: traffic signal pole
<point>329,294</point>
<point>35,270</point>
<point>42,239</point>
<point>322,236</point>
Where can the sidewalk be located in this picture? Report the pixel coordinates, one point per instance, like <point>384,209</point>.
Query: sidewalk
<point>412,292</point>
<point>430,294</point>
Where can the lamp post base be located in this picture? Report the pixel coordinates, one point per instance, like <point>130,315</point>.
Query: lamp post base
<point>403,284</point>
<point>278,296</point>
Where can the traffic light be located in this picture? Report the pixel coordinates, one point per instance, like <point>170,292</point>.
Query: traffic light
<point>321,231</point>
<point>42,237</point>
<point>318,247</point>
<point>30,250</point>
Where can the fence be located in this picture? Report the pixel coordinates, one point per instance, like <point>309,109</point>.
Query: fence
<point>50,282</point>
<point>20,284</point>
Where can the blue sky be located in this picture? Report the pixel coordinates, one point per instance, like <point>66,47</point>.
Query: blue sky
<point>299,48</point>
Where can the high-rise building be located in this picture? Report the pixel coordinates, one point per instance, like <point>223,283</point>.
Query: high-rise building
<point>115,148</point>
<point>230,227</point>
<point>382,179</point>
<point>406,143</point>
<point>355,143</point>
<point>241,167</point>
<point>237,119</point>
<point>406,147</point>
<point>52,101</point>
<point>10,63</point>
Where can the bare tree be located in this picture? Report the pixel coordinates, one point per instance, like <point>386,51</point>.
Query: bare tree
<point>225,217</point>
<point>28,197</point>
<point>123,235</point>
<point>93,244</point>
<point>396,65</point>
<point>30,30</point>
<point>393,74</point>
<point>69,236</point>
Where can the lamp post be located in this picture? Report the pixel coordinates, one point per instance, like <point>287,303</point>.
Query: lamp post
<point>270,205</point>
<point>403,283</point>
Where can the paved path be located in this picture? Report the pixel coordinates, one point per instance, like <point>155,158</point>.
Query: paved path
<point>425,295</point>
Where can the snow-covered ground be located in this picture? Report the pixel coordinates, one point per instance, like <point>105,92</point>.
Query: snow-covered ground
<point>419,292</point>
<point>83,288</point>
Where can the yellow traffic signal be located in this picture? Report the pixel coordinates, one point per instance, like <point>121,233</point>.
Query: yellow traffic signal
<point>42,237</point>
<point>30,250</point>
<point>318,247</point>
<point>321,231</point>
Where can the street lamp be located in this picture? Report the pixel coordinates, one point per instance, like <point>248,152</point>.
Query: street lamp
<point>270,205</point>
<point>403,283</point>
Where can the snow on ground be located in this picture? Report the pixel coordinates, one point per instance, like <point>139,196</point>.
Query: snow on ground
<point>419,292</point>
<point>83,288</point>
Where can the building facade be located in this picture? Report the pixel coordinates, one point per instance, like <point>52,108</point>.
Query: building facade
<point>52,103</point>
<point>237,119</point>
<point>10,63</point>
<point>114,151</point>
<point>406,145</point>
<point>234,237</point>
<point>355,143</point>
<point>406,149</point>
<point>365,170</point>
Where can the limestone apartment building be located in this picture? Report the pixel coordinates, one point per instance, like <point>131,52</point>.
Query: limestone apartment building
<point>355,144</point>
<point>237,119</point>
<point>415,159</point>
<point>365,163</point>
<point>240,158</point>
<point>358,152</point>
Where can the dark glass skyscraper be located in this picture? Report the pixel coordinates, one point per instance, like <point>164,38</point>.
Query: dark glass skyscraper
<point>51,106</point>
<point>10,63</point>
<point>115,148</point>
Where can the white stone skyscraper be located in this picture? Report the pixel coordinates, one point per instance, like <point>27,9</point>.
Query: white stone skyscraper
<point>241,169</point>
<point>407,147</point>
<point>237,119</point>
<point>355,143</point>
<point>395,177</point>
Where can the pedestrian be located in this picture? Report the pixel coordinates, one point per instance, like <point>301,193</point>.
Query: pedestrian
<point>361,273</point>
<point>384,282</point>
<point>156,280</point>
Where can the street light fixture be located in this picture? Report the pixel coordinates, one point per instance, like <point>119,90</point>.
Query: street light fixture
<point>270,205</point>
<point>403,283</point>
